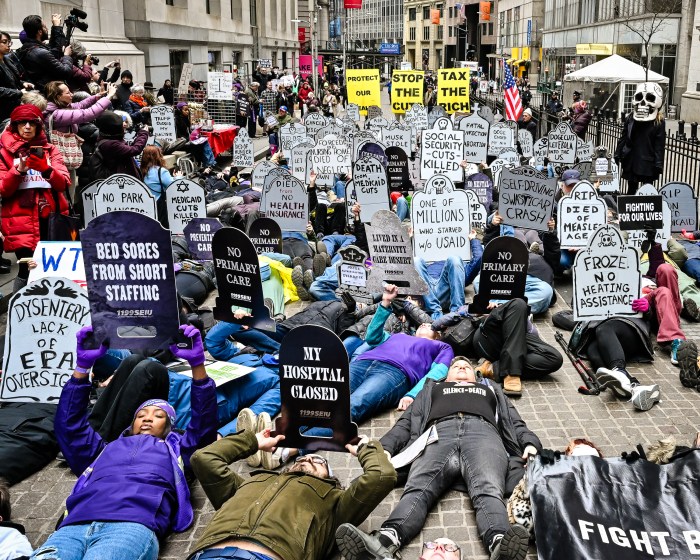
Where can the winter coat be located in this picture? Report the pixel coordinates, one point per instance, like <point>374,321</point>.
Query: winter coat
<point>10,88</point>
<point>89,133</point>
<point>119,156</point>
<point>122,97</point>
<point>182,125</point>
<point>579,123</point>
<point>641,149</point>
<point>80,78</point>
<point>135,478</point>
<point>21,208</point>
<point>67,119</point>
<point>415,316</point>
<point>134,110</point>
<point>294,514</point>
<point>44,64</point>
<point>168,94</point>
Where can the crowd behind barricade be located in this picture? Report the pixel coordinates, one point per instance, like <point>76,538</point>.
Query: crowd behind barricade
<point>135,430</point>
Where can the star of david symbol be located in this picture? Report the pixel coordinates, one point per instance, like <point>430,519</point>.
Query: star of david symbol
<point>182,187</point>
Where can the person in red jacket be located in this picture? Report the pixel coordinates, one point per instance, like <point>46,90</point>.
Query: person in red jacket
<point>304,92</point>
<point>33,179</point>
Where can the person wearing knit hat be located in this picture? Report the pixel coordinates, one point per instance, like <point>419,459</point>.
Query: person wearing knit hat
<point>117,155</point>
<point>33,179</point>
<point>528,123</point>
<point>123,90</point>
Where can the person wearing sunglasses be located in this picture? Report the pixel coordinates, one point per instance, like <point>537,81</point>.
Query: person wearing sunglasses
<point>290,515</point>
<point>482,442</point>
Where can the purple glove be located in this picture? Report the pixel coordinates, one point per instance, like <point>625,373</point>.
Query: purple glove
<point>194,355</point>
<point>640,305</point>
<point>86,357</point>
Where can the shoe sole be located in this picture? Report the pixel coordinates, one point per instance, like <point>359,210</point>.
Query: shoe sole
<point>246,420</point>
<point>319,264</point>
<point>609,382</point>
<point>352,546</point>
<point>688,362</point>
<point>298,281</point>
<point>512,393</point>
<point>648,399</point>
<point>515,544</point>
<point>297,261</point>
<point>691,309</point>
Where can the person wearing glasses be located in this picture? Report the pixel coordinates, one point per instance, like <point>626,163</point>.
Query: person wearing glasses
<point>481,441</point>
<point>290,515</point>
<point>441,549</point>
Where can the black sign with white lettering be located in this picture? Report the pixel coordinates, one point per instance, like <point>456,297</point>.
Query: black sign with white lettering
<point>640,212</point>
<point>397,169</point>
<point>266,236</point>
<point>315,391</point>
<point>198,234</point>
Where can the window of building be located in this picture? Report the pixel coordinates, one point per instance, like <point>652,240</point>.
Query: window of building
<point>253,13</point>
<point>169,2</point>
<point>439,8</point>
<point>438,56</point>
<point>449,12</point>
<point>213,7</point>
<point>449,34</point>
<point>440,32</point>
<point>411,14</point>
<point>236,9</point>
<point>411,33</point>
<point>426,12</point>
<point>426,33</point>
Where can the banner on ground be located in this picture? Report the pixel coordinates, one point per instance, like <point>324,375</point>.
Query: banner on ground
<point>453,90</point>
<point>364,88</point>
<point>406,89</point>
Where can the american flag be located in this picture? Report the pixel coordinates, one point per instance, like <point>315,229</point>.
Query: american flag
<point>514,107</point>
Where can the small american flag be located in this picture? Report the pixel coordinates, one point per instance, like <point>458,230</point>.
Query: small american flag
<point>514,107</point>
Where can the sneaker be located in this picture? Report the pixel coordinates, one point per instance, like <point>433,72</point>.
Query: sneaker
<point>485,368</point>
<point>321,247</point>
<point>617,379</point>
<point>688,362</point>
<point>691,310</point>
<point>675,345</point>
<point>297,261</point>
<point>355,544</point>
<point>247,420</point>
<point>645,396</point>
<point>298,281</point>
<point>270,305</point>
<point>319,264</point>
<point>512,386</point>
<point>266,460</point>
<point>513,545</point>
<point>308,278</point>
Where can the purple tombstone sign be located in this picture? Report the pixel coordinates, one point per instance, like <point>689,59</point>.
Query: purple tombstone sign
<point>482,187</point>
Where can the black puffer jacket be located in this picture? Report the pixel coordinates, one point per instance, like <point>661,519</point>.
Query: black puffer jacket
<point>43,64</point>
<point>10,87</point>
<point>330,314</point>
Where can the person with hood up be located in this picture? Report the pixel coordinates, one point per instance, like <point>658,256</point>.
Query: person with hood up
<point>117,155</point>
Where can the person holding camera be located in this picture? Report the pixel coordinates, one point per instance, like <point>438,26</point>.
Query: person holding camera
<point>11,84</point>
<point>33,179</point>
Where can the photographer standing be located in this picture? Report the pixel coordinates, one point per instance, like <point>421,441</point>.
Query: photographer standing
<point>10,83</point>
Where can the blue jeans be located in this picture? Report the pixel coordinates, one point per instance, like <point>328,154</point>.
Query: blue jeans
<point>335,242</point>
<point>445,290</point>
<point>107,364</point>
<point>281,257</point>
<point>324,286</point>
<point>538,293</point>
<point>221,348</point>
<point>692,268</point>
<point>118,540</point>
<point>566,261</point>
<point>401,208</point>
<point>208,155</point>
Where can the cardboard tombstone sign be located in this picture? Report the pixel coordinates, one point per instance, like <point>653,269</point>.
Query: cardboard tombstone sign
<point>185,200</point>
<point>42,320</point>
<point>640,212</point>
<point>398,136</point>
<point>526,198</point>
<point>540,147</point>
<point>602,168</point>
<point>584,150</point>
<point>607,278</point>
<point>59,258</point>
<point>315,390</point>
<point>260,172</point>
<point>477,212</point>
<point>613,184</point>
<point>353,111</point>
<point>330,156</point>
<point>417,117</point>
<point>371,186</point>
<point>441,151</point>
<point>482,187</point>
<point>580,215</point>
<point>683,203</point>
<point>331,129</point>
<point>359,137</point>
<point>88,197</point>
<point>199,233</point>
<point>243,150</point>
<point>376,126</point>
<point>501,137</point>
<point>131,281</point>
<point>526,142</point>
<point>438,112</point>
<point>397,168</point>
<point>313,123</point>
<point>270,119</point>
<point>163,122</point>
<point>485,112</point>
<point>497,166</point>
<point>503,272</point>
<point>286,202</point>
<point>352,273</point>
<point>476,137</point>
<point>348,125</point>
<point>123,192</point>
<point>290,135</point>
<point>636,237</point>
<point>266,236</point>
<point>509,155</point>
<point>272,174</point>
<point>376,150</point>
<point>300,158</point>
<point>562,143</point>
<point>441,219</point>
<point>238,280</point>
<point>392,260</point>
<point>585,168</point>
<point>373,111</point>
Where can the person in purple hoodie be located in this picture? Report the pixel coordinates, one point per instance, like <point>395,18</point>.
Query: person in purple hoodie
<point>132,491</point>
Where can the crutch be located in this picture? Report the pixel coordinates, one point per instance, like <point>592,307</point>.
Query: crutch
<point>592,386</point>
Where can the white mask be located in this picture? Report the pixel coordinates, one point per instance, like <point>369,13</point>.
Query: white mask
<point>647,101</point>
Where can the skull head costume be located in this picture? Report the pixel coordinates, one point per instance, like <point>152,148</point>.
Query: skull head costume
<point>647,101</point>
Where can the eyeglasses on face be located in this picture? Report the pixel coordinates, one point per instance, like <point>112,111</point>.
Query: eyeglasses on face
<point>317,459</point>
<point>447,547</point>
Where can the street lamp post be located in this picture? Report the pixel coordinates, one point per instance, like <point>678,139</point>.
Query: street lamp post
<point>314,60</point>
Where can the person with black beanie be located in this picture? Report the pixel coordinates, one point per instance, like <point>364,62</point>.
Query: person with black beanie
<point>123,91</point>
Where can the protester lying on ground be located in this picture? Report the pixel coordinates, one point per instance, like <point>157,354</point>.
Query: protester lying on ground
<point>481,441</point>
<point>13,544</point>
<point>505,340</point>
<point>137,502</point>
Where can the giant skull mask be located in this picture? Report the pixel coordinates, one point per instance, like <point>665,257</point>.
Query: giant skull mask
<point>648,99</point>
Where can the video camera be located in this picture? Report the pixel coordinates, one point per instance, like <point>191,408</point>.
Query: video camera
<point>73,21</point>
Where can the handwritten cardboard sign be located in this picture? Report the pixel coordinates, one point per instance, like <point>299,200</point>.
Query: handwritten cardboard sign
<point>330,156</point>
<point>300,159</point>
<point>88,197</point>
<point>606,277</point>
<point>352,273</point>
<point>372,189</point>
<point>163,122</point>
<point>266,236</point>
<point>290,135</point>
<point>313,123</point>
<point>438,112</point>
<point>59,258</point>
<point>526,142</point>
<point>501,136</point>
<point>199,233</point>
<point>580,215</point>
<point>584,150</point>
<point>477,212</point>
<point>243,150</point>
<point>124,192</point>
<point>374,111</point>
<point>185,201</point>
<point>526,197</point>
<point>562,143</point>
<point>476,137</point>
<point>398,136</point>
<point>353,111</point>
<point>442,150</point>
<point>260,172</point>
<point>683,204</point>
<point>611,185</point>
<point>417,117</point>
<point>376,126</point>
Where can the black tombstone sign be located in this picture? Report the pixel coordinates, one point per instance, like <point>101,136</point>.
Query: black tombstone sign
<point>640,212</point>
<point>266,236</point>
<point>503,272</point>
<point>482,186</point>
<point>131,281</point>
<point>198,233</point>
<point>315,390</point>
<point>397,169</point>
<point>238,278</point>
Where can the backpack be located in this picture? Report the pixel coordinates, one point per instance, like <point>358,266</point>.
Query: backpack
<point>98,165</point>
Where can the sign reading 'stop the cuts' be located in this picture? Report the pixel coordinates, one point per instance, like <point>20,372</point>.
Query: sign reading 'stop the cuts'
<point>406,89</point>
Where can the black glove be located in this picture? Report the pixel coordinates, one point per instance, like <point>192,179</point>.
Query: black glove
<point>349,302</point>
<point>549,456</point>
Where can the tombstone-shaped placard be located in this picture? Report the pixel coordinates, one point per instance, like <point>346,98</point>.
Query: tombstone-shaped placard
<point>503,272</point>
<point>580,215</point>
<point>123,192</point>
<point>372,149</point>
<point>286,202</point>
<point>398,136</point>
<point>640,212</point>
<point>438,112</point>
<point>683,203</point>
<point>584,150</point>
<point>441,220</point>
<point>163,122</point>
<point>392,259</point>
<point>374,111</point>
<point>353,111</point>
<point>585,168</point>
<point>397,169</point>
<point>607,277</point>
<point>526,142</point>
<point>42,320</point>
<point>331,129</point>
<point>260,172</point>
<point>417,117</point>
<point>376,126</point>
<point>185,201</point>
<point>636,237</point>
<point>602,165</point>
<point>482,186</point>
<point>88,197</point>
<point>290,135</point>
<point>352,273</point>
<point>372,189</point>
<point>358,138</point>
<point>477,212</point>
<point>510,155</point>
<point>131,281</point>
<point>476,138</point>
<point>313,123</point>
<point>199,233</point>
<point>59,258</point>
<point>315,390</point>
<point>526,198</point>
<point>540,148</point>
<point>299,158</point>
<point>243,150</point>
<point>238,281</point>
<point>266,236</point>
<point>441,151</point>
<point>496,166</point>
<point>501,136</point>
<point>330,156</point>
<point>562,143</point>
<point>611,185</point>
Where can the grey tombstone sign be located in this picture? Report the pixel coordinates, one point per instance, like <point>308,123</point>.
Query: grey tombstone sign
<point>260,171</point>
<point>370,182</point>
<point>290,135</point>
<point>562,144</point>
<point>580,215</point>
<point>438,112</point>
<point>584,150</point>
<point>526,198</point>
<point>88,196</point>
<point>398,136</point>
<point>124,192</point>
<point>243,150</point>
<point>476,137</point>
<point>373,111</point>
<point>358,138</point>
<point>501,136</point>
<point>417,117</point>
<point>299,159</point>
<point>163,122</point>
<point>352,273</point>
<point>526,142</point>
<point>353,111</point>
<point>185,201</point>
<point>683,204</point>
<point>442,149</point>
<point>286,202</point>
<point>313,123</point>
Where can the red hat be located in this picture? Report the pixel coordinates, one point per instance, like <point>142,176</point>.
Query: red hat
<point>26,112</point>
<point>395,196</point>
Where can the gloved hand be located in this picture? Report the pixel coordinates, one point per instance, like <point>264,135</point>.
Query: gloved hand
<point>37,163</point>
<point>549,456</point>
<point>194,355</point>
<point>86,357</point>
<point>640,305</point>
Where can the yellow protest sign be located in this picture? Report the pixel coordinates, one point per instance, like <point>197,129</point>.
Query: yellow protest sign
<point>453,89</point>
<point>406,89</point>
<point>364,89</point>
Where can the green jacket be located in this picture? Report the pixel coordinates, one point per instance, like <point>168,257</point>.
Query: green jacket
<point>293,514</point>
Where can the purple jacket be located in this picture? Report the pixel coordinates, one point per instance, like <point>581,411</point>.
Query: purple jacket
<point>138,478</point>
<point>68,119</point>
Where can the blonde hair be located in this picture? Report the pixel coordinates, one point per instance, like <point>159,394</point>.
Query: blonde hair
<point>34,98</point>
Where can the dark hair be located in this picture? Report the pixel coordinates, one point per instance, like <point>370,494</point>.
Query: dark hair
<point>5,506</point>
<point>32,25</point>
<point>5,34</point>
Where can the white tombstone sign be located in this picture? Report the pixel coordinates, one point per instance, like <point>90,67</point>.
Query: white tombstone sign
<point>398,136</point>
<point>220,86</point>
<point>540,147</point>
<point>272,174</point>
<point>286,202</point>
<point>611,185</point>
<point>497,166</point>
<point>526,142</point>
<point>331,129</point>
<point>580,215</point>
<point>88,196</point>
<point>683,204</point>
<point>243,150</point>
<point>477,212</point>
<point>124,192</point>
<point>500,137</point>
<point>509,155</point>
<point>260,171</point>
<point>313,123</point>
<point>562,144</point>
<point>442,150</point>
<point>299,157</point>
<point>526,198</point>
<point>330,156</point>
<point>417,117</point>
<point>290,135</point>
<point>353,111</point>
<point>59,258</point>
<point>163,122</point>
<point>185,200</point>
<point>358,138</point>
<point>370,184</point>
<point>377,125</point>
<point>584,150</point>
<point>476,137</point>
